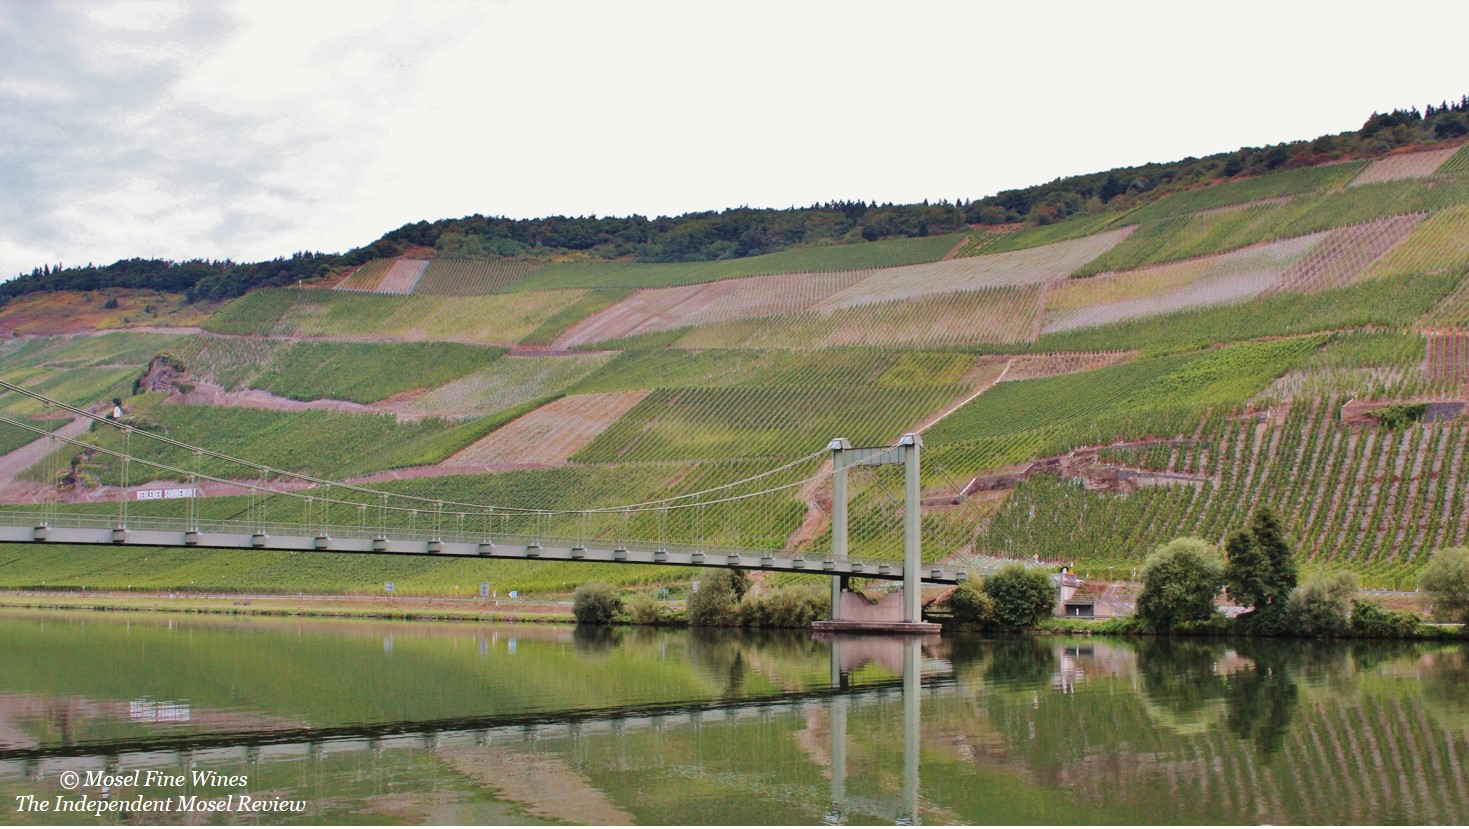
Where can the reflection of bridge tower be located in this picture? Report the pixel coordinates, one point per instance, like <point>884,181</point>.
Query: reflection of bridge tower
<point>893,614</point>
<point>846,654</point>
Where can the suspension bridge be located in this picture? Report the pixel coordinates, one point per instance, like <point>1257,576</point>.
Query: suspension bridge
<point>156,498</point>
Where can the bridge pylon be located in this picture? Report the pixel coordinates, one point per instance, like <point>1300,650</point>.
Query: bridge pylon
<point>905,617</point>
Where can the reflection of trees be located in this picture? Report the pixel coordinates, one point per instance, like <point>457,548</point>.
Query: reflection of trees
<point>1444,687</point>
<point>595,640</point>
<point>1022,662</point>
<point>720,654</point>
<point>970,656</point>
<point>1263,700</point>
<point>1182,685</point>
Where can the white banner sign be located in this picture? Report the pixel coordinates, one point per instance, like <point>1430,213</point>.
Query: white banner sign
<point>160,494</point>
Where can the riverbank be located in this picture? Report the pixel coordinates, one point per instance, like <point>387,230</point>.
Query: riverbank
<point>403,608</point>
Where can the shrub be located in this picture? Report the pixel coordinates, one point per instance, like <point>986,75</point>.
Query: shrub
<point>1369,619</point>
<point>1446,581</point>
<point>716,604</point>
<point>644,609</point>
<point>595,604</point>
<point>1399,415</point>
<point>787,607</point>
<point>1180,580</point>
<point>972,608</point>
<point>1021,597</point>
<point>1323,605</point>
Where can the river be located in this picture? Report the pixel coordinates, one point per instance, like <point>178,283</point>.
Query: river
<point>211,718</point>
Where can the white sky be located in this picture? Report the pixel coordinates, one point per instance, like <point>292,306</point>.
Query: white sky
<point>254,129</point>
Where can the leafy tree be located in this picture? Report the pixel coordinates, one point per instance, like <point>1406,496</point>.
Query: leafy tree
<point>1020,596</point>
<point>1260,572</point>
<point>1452,125</point>
<point>595,604</point>
<point>972,608</point>
<point>1446,581</point>
<point>1180,580</point>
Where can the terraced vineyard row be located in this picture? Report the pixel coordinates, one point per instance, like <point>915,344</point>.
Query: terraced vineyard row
<point>470,277</point>
<point>1438,245</point>
<point>1187,237</point>
<point>1448,359</point>
<point>1144,398</point>
<point>493,319</point>
<point>770,422</point>
<point>1458,163</point>
<point>828,308</point>
<point>1276,185</point>
<point>557,324</point>
<point>662,309</point>
<point>83,387</point>
<point>230,362</point>
<point>368,372</point>
<point>1398,166</point>
<point>1178,237</point>
<point>1213,280</point>
<point>551,433</point>
<point>501,385</point>
<point>1393,304</point>
<point>323,443</point>
<point>878,370</point>
<point>1361,364</point>
<point>886,254</point>
<point>1371,499</point>
<point>989,315</point>
<point>367,276</point>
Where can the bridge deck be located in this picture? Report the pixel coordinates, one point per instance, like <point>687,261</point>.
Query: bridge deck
<point>233,535</point>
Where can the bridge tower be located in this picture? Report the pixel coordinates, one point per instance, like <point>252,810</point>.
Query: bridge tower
<point>904,617</point>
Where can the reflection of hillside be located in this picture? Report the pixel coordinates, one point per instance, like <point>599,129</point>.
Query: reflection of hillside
<point>29,720</point>
<point>539,781</point>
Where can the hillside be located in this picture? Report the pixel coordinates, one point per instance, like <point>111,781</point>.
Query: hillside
<point>1087,388</point>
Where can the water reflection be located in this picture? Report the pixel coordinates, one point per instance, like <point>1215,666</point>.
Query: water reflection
<point>658,726</point>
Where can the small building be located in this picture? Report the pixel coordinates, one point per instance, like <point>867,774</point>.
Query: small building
<point>1075,600</point>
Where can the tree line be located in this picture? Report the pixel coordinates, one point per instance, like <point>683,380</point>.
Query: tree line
<point>746,231</point>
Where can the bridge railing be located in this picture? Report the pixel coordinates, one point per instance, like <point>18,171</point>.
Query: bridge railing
<point>238,526</point>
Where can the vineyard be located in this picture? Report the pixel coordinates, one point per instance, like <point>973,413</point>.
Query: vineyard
<point>323,443</point>
<point>886,254</point>
<point>1214,280</point>
<point>468,277</point>
<point>1404,165</point>
<point>1371,499</point>
<point>1271,186</point>
<point>1087,388</point>
<point>551,433</point>
<point>501,385</point>
<point>367,373</point>
<point>492,319</point>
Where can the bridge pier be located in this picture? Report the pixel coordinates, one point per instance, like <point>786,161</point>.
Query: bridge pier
<point>885,617</point>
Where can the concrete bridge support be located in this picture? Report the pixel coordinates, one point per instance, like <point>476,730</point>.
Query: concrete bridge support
<point>909,618</point>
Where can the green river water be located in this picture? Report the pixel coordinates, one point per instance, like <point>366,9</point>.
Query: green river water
<point>352,722</point>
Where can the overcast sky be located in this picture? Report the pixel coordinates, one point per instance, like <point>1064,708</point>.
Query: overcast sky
<point>249,130</point>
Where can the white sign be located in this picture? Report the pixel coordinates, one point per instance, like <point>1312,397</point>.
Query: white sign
<point>160,494</point>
